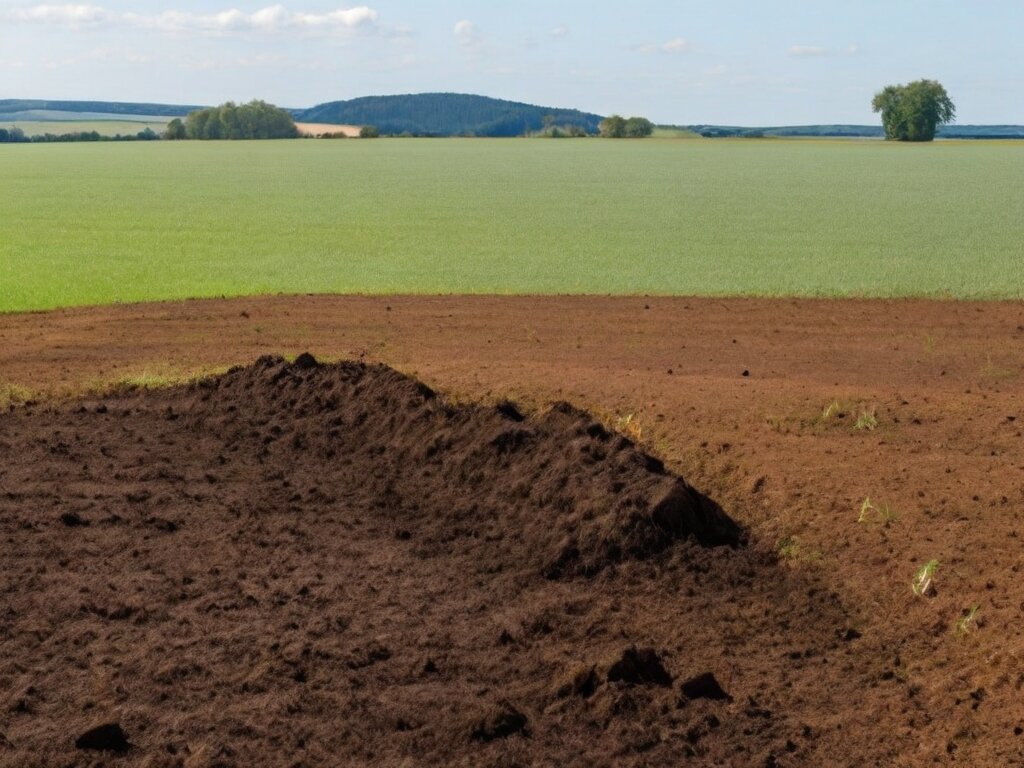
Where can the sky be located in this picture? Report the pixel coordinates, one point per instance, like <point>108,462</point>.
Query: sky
<point>783,62</point>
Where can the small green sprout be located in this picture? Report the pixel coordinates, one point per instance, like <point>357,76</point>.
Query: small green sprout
<point>922,583</point>
<point>831,410</point>
<point>968,622</point>
<point>865,510</point>
<point>883,513</point>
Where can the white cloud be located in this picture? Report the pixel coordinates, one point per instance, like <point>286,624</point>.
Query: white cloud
<point>562,31</point>
<point>677,45</point>
<point>59,14</point>
<point>807,50</point>
<point>467,34</point>
<point>817,50</point>
<point>272,19</point>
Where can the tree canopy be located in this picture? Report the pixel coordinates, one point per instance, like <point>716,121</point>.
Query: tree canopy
<point>255,120</point>
<point>913,112</point>
<point>617,127</point>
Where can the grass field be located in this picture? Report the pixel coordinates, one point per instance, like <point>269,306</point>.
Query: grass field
<point>100,223</point>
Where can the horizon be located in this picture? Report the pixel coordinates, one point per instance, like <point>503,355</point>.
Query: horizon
<point>792,64</point>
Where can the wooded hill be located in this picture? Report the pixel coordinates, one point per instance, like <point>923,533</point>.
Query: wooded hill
<point>446,114</point>
<point>13,106</point>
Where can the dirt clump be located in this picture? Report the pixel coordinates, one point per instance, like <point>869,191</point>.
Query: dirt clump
<point>293,562</point>
<point>639,666</point>
<point>108,737</point>
<point>704,686</point>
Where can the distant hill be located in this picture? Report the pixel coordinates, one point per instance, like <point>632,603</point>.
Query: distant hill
<point>445,114</point>
<point>855,131</point>
<point>457,114</point>
<point>12,106</point>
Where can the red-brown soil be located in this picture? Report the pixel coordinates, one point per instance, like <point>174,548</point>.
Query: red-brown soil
<point>301,565</point>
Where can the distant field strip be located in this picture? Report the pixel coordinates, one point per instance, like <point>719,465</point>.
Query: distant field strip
<point>101,223</point>
<point>102,127</point>
<point>39,121</point>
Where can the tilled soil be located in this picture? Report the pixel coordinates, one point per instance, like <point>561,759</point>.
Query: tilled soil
<point>418,588</point>
<point>296,564</point>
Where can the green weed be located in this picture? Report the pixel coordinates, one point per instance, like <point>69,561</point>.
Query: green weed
<point>968,622</point>
<point>12,394</point>
<point>792,550</point>
<point>867,420</point>
<point>881,513</point>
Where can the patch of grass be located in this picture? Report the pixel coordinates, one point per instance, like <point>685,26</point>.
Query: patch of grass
<point>792,550</point>
<point>13,394</point>
<point>880,513</point>
<point>153,380</point>
<point>968,621</point>
<point>630,427</point>
<point>866,420</point>
<point>667,216</point>
<point>831,410</point>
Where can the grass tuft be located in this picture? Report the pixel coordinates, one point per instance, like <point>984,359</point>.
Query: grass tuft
<point>866,420</point>
<point>968,621</point>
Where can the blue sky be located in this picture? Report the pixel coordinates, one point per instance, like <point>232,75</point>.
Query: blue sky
<point>712,61</point>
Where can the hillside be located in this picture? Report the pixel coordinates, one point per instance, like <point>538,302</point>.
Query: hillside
<point>445,114</point>
<point>15,106</point>
<point>453,114</point>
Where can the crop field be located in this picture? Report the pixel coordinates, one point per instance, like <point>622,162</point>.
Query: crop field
<point>102,127</point>
<point>92,224</point>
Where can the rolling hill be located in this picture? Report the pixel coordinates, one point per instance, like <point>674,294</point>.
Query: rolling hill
<point>445,114</point>
<point>15,106</point>
<point>448,114</point>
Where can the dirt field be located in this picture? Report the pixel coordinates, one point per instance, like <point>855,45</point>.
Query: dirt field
<point>319,129</point>
<point>299,565</point>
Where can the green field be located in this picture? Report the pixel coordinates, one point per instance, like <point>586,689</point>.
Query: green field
<point>99,223</point>
<point>102,127</point>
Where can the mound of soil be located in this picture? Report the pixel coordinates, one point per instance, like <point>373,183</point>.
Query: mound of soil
<point>300,564</point>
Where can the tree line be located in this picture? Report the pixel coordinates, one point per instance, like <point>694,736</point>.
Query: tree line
<point>617,127</point>
<point>255,120</point>
<point>16,135</point>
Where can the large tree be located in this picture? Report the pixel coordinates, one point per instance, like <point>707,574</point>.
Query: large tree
<point>913,112</point>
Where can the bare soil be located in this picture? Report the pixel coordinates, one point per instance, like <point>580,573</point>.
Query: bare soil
<point>303,564</point>
<point>322,129</point>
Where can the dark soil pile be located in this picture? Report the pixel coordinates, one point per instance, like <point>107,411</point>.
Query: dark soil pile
<point>296,564</point>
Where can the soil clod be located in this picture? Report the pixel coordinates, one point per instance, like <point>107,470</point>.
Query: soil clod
<point>108,737</point>
<point>639,666</point>
<point>704,686</point>
<point>73,520</point>
<point>305,362</point>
